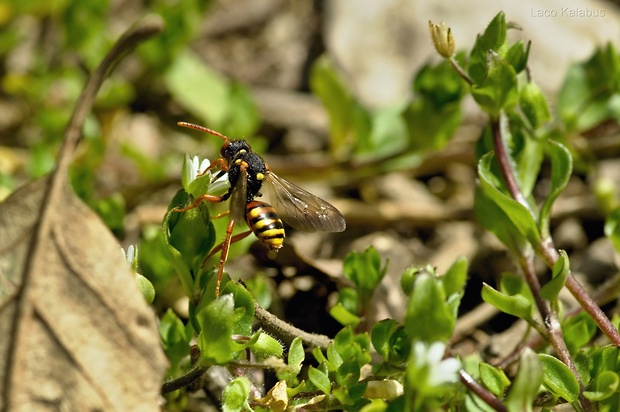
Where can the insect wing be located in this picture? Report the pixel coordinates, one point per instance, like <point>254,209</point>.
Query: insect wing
<point>238,197</point>
<point>301,209</point>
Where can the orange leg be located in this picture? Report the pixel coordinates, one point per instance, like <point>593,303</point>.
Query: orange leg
<point>233,239</point>
<point>220,215</point>
<point>208,198</point>
<point>224,256</point>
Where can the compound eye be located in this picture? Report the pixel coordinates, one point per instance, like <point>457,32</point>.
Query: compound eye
<point>223,148</point>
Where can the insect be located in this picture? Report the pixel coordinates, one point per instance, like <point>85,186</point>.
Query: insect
<point>248,174</point>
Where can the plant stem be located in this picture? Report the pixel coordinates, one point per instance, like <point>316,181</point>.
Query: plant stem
<point>192,376</point>
<point>460,71</point>
<point>526,262</point>
<point>481,392</point>
<point>504,161</point>
<point>287,332</point>
<point>550,255</point>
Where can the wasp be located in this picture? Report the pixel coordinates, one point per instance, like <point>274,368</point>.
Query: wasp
<point>248,174</point>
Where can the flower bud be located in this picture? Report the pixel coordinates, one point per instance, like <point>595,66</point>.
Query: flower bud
<point>443,40</point>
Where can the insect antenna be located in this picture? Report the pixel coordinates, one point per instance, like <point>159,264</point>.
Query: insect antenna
<point>203,129</point>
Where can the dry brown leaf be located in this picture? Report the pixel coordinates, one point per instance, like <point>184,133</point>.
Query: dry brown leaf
<point>76,334</point>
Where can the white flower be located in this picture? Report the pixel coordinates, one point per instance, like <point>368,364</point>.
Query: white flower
<point>440,370</point>
<point>197,167</point>
<point>131,256</point>
<point>194,168</point>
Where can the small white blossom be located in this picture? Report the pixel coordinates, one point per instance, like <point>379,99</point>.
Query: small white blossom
<point>131,256</point>
<point>440,370</point>
<point>197,167</point>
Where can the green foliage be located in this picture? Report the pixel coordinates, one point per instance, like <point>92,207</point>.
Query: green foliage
<point>176,339</point>
<point>494,379</point>
<point>365,272</point>
<point>590,92</point>
<point>235,395</point>
<point>558,379</point>
<point>435,110</point>
<point>497,91</point>
<point>526,384</point>
<point>516,305</point>
<point>218,102</point>
<point>413,369</point>
<point>429,317</point>
<point>551,289</point>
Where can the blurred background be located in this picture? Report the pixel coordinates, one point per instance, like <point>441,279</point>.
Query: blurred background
<point>325,91</point>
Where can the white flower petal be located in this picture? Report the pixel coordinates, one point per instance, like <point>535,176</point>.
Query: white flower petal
<point>435,352</point>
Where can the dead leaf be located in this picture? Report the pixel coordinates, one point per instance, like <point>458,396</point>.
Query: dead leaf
<point>76,334</point>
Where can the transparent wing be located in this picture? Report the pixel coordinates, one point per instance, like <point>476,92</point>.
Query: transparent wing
<point>301,209</point>
<point>238,197</point>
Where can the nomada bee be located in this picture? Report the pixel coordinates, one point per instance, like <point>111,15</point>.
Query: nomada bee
<point>248,174</point>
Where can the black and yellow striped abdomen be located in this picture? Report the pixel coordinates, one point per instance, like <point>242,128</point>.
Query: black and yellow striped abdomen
<point>265,223</point>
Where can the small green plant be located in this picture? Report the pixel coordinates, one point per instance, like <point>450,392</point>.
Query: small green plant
<point>414,369</point>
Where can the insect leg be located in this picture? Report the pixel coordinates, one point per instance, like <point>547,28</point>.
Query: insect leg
<point>208,198</point>
<point>233,239</point>
<point>221,215</point>
<point>224,255</point>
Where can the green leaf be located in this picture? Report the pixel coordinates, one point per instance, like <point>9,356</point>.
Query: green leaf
<point>428,317</point>
<point>496,221</point>
<point>499,89</point>
<point>243,117</point>
<point>319,379</point>
<point>175,338</point>
<point>380,335</point>
<point>527,152</point>
<point>343,316</point>
<point>453,281</point>
<point>235,395</point>
<point>435,112</point>
<point>365,271</point>
<point>588,94</point>
<point>349,299</point>
<point>244,307</point>
<point>493,38</point>
<point>518,214</point>
<point>326,84</point>
<point>525,386</point>
<point>607,384</point>
<point>494,379</point>
<point>514,284</point>
<point>348,373</point>
<point>534,105</point>
<point>266,346</point>
<point>517,55</point>
<point>215,341</point>
<point>561,268</point>
<point>558,378</point>
<point>199,89</point>
<point>612,228</point>
<point>605,359</point>
<point>146,288</point>
<point>561,169</point>
<point>578,331</point>
<point>296,354</point>
<point>191,235</point>
<point>334,360</point>
<point>516,305</point>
